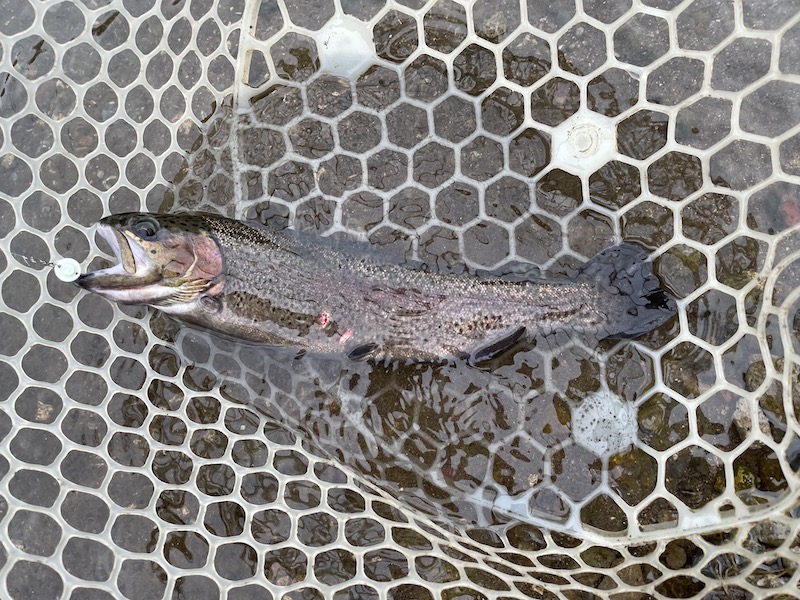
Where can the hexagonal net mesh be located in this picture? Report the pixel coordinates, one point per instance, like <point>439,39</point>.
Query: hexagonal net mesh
<point>142,459</point>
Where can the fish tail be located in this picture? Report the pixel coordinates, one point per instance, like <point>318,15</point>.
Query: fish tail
<point>631,295</point>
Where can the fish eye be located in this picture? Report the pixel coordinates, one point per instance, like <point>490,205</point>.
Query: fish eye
<point>145,227</point>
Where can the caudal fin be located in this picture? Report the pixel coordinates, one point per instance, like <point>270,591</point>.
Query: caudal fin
<point>631,295</point>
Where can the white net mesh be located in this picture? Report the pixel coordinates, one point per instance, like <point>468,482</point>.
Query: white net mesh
<point>141,459</point>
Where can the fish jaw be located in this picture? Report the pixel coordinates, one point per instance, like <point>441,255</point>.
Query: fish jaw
<point>132,280</point>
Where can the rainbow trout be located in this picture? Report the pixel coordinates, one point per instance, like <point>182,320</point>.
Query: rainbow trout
<point>286,288</point>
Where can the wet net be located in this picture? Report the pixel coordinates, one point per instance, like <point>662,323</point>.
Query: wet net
<point>143,459</point>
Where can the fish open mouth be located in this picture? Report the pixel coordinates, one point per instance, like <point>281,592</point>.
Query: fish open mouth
<point>119,246</point>
<point>132,261</point>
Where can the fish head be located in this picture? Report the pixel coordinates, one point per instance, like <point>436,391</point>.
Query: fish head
<point>163,260</point>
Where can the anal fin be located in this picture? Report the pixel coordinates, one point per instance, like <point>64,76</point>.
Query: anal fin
<point>496,344</point>
<point>361,352</point>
